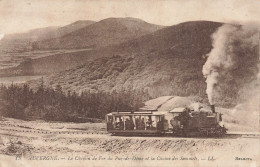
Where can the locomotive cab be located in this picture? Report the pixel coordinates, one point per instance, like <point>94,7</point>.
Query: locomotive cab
<point>175,123</point>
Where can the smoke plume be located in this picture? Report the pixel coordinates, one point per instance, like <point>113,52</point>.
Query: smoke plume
<point>233,61</point>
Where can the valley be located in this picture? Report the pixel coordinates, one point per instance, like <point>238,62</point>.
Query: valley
<point>11,58</point>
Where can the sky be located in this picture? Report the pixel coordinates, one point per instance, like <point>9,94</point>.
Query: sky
<point>22,15</point>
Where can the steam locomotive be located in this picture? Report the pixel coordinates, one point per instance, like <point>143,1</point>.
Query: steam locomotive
<point>177,122</point>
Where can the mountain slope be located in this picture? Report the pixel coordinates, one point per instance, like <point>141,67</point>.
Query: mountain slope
<point>69,28</point>
<point>166,62</point>
<point>16,48</point>
<point>32,35</point>
<point>173,41</point>
<point>24,41</point>
<point>21,42</point>
<point>48,32</point>
<point>103,33</point>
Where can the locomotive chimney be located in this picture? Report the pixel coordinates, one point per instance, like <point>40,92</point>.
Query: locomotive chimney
<point>212,108</point>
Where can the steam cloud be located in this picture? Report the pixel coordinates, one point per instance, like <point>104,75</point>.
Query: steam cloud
<point>233,59</point>
<point>2,36</point>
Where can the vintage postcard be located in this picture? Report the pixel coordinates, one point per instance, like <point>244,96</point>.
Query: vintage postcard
<point>129,83</point>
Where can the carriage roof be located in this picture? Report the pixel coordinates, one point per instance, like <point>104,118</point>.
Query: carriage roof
<point>138,113</point>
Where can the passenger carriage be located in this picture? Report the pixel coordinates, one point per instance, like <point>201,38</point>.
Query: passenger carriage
<point>138,122</point>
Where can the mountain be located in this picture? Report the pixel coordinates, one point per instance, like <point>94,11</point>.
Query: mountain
<point>15,48</point>
<point>107,32</point>
<point>166,62</point>
<point>176,39</point>
<point>103,33</point>
<point>32,35</point>
<point>70,28</point>
<point>48,32</point>
<point>21,42</point>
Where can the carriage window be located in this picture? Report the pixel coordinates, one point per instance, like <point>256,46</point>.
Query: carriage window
<point>151,122</point>
<point>148,122</point>
<point>140,122</point>
<point>110,119</point>
<point>109,123</point>
<point>129,123</point>
<point>119,124</point>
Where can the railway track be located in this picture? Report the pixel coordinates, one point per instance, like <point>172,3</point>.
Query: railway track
<point>25,129</point>
<point>51,132</point>
<point>243,135</point>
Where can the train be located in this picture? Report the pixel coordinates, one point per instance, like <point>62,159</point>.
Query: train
<point>177,122</point>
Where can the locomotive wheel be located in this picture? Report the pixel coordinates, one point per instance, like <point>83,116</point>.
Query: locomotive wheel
<point>192,133</point>
<point>204,133</point>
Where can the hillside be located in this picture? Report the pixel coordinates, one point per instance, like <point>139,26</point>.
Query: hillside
<point>68,29</point>
<point>47,65</point>
<point>48,32</point>
<point>106,32</point>
<point>167,62</point>
<point>103,33</point>
<point>35,34</point>
<point>169,41</point>
<point>24,41</point>
<point>16,48</point>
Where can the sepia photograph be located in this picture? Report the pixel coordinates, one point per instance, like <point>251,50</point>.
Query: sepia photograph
<point>129,83</point>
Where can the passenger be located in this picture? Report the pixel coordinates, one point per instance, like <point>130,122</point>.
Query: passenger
<point>149,123</point>
<point>127,124</point>
<point>142,124</point>
<point>131,124</point>
<point>120,124</point>
<point>138,123</point>
<point>160,125</point>
<point>117,124</point>
<point>110,124</point>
